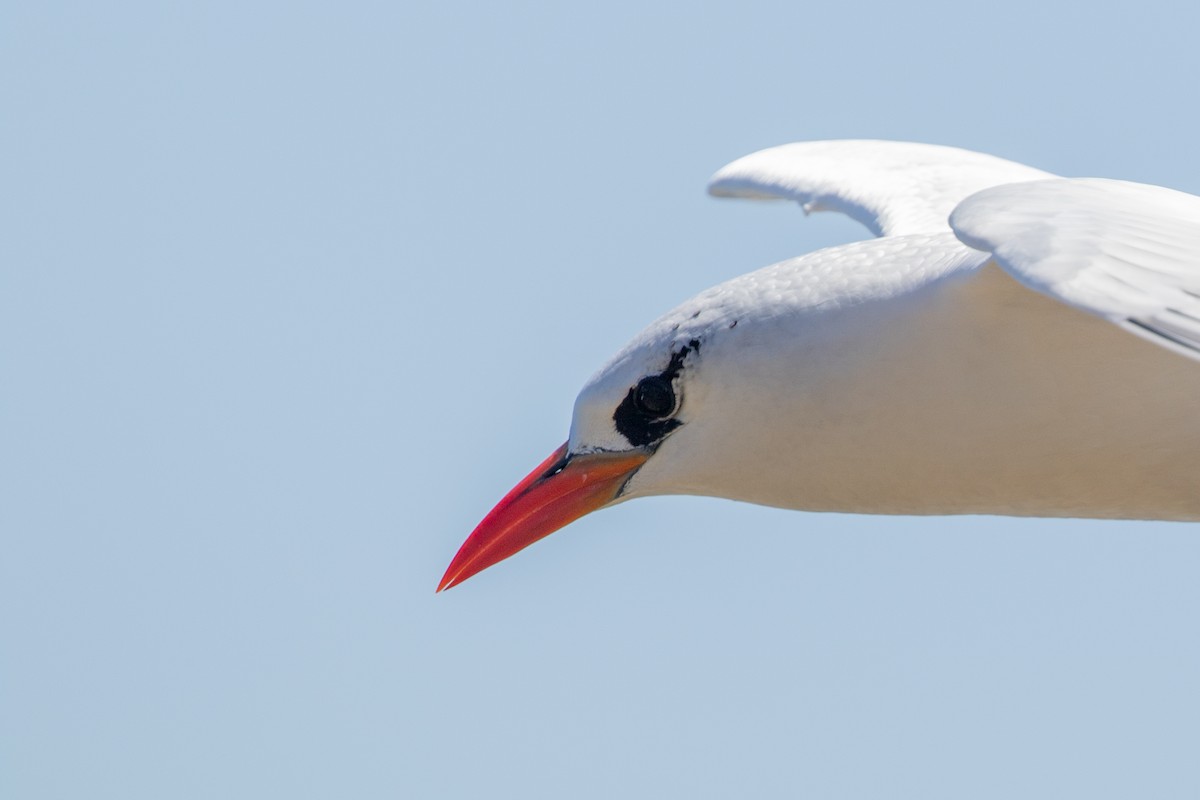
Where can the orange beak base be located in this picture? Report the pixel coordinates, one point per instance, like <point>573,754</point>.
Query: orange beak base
<point>561,490</point>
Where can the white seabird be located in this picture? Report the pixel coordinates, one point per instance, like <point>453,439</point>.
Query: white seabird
<point>970,360</point>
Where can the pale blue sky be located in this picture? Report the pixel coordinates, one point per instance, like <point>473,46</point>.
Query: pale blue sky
<point>292,293</point>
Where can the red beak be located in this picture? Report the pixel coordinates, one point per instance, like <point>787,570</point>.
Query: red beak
<point>561,490</point>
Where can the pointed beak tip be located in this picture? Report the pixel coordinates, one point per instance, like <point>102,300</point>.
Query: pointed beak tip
<point>557,492</point>
<point>456,573</point>
<point>448,582</point>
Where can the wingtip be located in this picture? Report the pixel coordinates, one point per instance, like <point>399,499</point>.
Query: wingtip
<point>735,186</point>
<point>719,184</point>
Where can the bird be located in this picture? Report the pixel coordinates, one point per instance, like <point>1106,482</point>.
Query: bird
<point>1011,342</point>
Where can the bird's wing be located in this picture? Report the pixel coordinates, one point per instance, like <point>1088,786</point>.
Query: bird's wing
<point>1128,252</point>
<point>891,187</point>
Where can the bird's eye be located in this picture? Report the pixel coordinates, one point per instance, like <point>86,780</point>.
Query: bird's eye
<point>654,396</point>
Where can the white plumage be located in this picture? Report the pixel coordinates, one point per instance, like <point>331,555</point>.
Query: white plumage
<point>1126,251</point>
<point>891,187</point>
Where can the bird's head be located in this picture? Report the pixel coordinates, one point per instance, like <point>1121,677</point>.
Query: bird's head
<point>623,420</point>
<point>760,389</point>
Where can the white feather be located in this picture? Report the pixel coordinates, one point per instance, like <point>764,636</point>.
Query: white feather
<point>1125,251</point>
<point>891,187</point>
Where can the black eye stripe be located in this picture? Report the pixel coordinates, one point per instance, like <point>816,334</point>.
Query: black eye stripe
<point>644,417</point>
<point>673,369</point>
<point>639,428</point>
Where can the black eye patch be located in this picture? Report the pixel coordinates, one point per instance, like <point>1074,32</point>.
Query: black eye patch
<point>644,416</point>
<point>638,427</point>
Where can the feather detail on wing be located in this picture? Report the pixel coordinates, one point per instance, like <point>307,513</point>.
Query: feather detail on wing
<point>1128,252</point>
<point>891,187</point>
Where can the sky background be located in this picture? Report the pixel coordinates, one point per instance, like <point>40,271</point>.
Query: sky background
<point>292,293</point>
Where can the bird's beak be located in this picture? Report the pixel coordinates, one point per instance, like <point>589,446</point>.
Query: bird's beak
<point>562,489</point>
